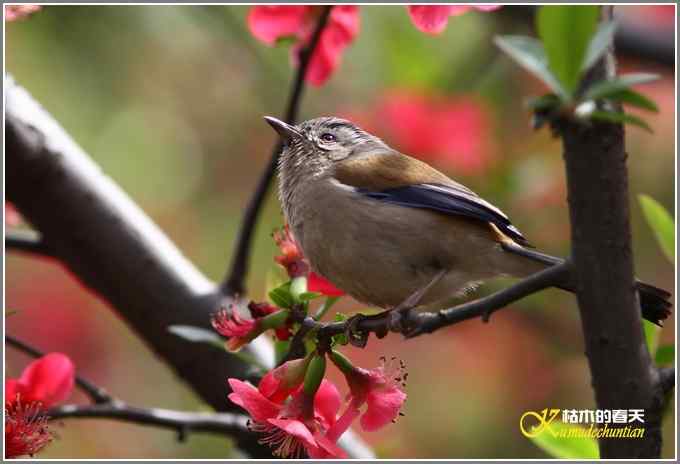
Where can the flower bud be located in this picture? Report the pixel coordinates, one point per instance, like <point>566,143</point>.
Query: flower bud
<point>314,376</point>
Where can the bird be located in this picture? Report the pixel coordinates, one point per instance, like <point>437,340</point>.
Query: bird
<point>390,230</point>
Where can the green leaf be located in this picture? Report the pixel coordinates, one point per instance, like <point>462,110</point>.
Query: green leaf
<point>604,89</point>
<point>566,31</point>
<point>665,354</point>
<point>281,296</point>
<point>633,98</point>
<point>308,296</point>
<point>566,447</point>
<point>196,334</point>
<point>599,44</point>
<point>530,54</point>
<point>661,223</point>
<point>651,336</point>
<point>612,116</point>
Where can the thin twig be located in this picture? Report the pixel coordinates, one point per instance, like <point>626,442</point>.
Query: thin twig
<point>359,327</point>
<point>484,307</point>
<point>234,281</point>
<point>27,241</point>
<point>97,394</point>
<point>180,421</point>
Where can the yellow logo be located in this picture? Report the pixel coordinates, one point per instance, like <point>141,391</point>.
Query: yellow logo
<point>533,424</point>
<point>593,424</point>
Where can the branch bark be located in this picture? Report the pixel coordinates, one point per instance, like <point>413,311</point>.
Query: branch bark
<point>26,241</point>
<point>623,375</point>
<point>180,421</point>
<point>100,235</point>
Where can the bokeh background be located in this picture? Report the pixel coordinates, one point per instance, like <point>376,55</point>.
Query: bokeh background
<point>169,101</point>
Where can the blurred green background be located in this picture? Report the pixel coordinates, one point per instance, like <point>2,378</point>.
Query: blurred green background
<point>169,101</point>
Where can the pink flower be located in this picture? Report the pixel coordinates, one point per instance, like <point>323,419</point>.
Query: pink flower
<point>243,325</point>
<point>43,383</point>
<point>452,132</point>
<point>279,383</point>
<point>26,431</point>
<point>299,424</point>
<point>433,19</point>
<point>272,23</point>
<point>316,283</point>
<point>47,380</point>
<point>294,261</point>
<point>16,12</point>
<point>380,389</point>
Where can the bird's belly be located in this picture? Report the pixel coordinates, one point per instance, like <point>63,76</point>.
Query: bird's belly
<point>381,259</point>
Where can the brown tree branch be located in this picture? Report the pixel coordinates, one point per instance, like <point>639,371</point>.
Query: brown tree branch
<point>623,376</point>
<point>234,282</point>
<point>181,421</point>
<point>359,327</point>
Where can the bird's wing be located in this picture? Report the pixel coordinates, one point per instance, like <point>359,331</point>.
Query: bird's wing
<point>401,180</point>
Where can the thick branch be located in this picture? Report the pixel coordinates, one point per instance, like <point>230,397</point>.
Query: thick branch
<point>26,241</point>
<point>234,283</point>
<point>107,241</point>
<point>96,394</point>
<point>621,368</point>
<point>182,422</point>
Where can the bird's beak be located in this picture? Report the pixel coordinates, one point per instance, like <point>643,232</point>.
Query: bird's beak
<point>286,131</point>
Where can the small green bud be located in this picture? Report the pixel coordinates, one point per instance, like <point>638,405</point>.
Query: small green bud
<point>315,374</point>
<point>274,320</point>
<point>342,363</point>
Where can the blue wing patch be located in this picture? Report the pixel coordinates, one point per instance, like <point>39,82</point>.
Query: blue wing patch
<point>450,200</point>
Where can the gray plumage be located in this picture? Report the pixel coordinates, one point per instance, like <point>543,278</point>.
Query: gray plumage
<point>381,225</point>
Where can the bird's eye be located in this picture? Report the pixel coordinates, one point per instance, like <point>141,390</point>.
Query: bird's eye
<point>328,137</point>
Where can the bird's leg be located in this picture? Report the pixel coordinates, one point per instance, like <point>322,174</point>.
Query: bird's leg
<point>400,313</point>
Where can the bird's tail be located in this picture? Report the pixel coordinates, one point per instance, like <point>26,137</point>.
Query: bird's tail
<point>654,301</point>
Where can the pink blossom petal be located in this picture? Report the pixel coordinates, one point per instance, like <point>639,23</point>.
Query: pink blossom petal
<point>316,283</point>
<point>296,429</point>
<point>11,390</point>
<point>326,449</point>
<point>432,19</point>
<point>383,407</point>
<point>343,423</point>
<point>486,7</point>
<point>270,23</point>
<point>342,28</point>
<point>268,384</point>
<point>49,379</point>
<point>327,402</point>
<point>250,399</point>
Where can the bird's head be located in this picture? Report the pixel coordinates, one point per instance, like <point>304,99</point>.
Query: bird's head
<point>311,148</point>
